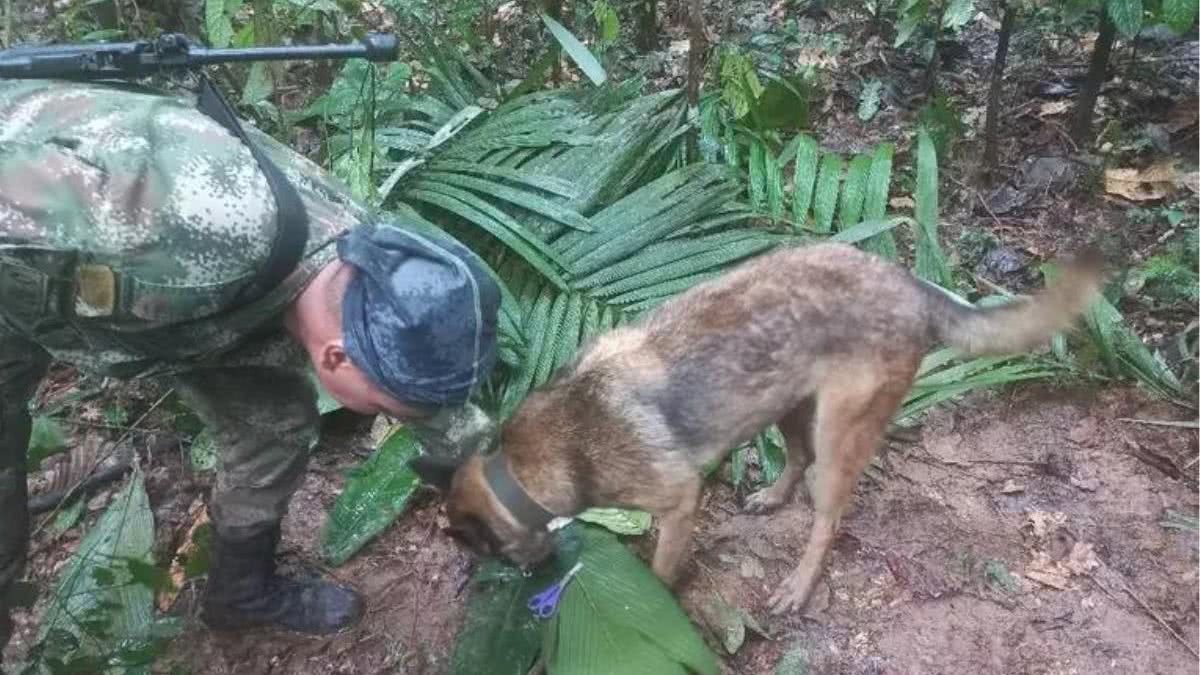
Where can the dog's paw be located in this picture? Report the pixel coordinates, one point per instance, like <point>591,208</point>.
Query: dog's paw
<point>763,501</point>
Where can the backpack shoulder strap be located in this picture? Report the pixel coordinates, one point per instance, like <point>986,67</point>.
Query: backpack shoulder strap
<point>291,231</point>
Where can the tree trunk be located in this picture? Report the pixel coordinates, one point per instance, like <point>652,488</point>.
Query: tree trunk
<point>935,62</point>
<point>993,104</point>
<point>697,45</point>
<point>1081,127</point>
<point>647,35</point>
<point>554,11</point>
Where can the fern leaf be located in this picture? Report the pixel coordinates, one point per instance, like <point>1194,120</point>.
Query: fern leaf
<point>828,180</point>
<point>804,179</point>
<point>854,191</point>
<point>875,204</point>
<point>931,262</point>
<point>481,214</point>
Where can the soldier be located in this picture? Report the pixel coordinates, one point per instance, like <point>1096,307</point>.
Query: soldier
<point>131,224</point>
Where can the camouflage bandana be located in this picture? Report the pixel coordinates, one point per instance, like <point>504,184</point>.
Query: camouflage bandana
<point>419,315</point>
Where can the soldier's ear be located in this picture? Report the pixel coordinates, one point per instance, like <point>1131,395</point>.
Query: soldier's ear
<point>434,471</point>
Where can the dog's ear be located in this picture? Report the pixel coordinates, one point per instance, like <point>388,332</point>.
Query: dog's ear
<point>434,471</point>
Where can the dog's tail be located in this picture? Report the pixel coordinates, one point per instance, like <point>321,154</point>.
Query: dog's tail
<point>1022,324</point>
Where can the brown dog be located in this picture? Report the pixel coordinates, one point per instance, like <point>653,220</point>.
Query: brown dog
<point>824,340</point>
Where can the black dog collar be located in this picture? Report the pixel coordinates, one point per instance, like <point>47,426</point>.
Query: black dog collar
<point>510,493</point>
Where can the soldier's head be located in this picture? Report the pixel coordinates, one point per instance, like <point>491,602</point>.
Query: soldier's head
<point>406,325</point>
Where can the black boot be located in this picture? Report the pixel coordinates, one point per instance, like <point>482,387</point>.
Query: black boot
<point>243,591</point>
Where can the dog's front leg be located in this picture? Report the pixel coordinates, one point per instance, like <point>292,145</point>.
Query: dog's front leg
<point>675,531</point>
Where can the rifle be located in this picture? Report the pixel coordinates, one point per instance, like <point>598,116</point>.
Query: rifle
<point>168,52</point>
<point>176,52</point>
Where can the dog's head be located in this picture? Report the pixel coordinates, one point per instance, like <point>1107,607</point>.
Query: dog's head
<point>478,520</point>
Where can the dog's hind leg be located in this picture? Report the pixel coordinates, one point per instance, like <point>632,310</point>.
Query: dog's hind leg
<point>675,531</point>
<point>796,427</point>
<point>851,417</point>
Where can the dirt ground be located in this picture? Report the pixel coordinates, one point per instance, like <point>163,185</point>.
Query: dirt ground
<point>927,576</point>
<point>1020,532</point>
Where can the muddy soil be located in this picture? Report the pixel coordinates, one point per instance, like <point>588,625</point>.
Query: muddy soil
<point>929,573</point>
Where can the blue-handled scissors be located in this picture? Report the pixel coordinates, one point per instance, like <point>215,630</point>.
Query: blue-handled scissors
<point>543,604</point>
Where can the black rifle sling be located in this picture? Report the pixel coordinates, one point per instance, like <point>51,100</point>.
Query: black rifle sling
<point>291,220</point>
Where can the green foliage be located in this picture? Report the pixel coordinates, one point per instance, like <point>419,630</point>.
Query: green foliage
<point>1179,15</point>
<point>740,86</point>
<point>1126,15</point>
<point>203,452</point>
<point>375,494</point>
<point>931,262</point>
<point>45,438</point>
<point>941,120</point>
<point>614,614</point>
<point>868,100</point>
<point>1170,276</point>
<point>100,616</point>
<point>576,50</point>
<point>620,521</point>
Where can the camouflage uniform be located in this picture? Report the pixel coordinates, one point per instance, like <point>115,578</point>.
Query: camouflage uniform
<point>151,188</point>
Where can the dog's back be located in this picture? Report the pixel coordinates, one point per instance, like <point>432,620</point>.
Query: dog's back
<point>715,365</point>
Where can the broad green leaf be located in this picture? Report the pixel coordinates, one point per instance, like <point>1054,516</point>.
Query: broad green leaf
<point>45,438</point>
<point>66,518</point>
<point>1179,15</point>
<point>375,494</point>
<point>1126,15</point>
<point>738,466</point>
<point>931,262</point>
<point>216,24</point>
<point>958,13</point>
<point>805,178</point>
<point>828,181</point>
<point>911,17</point>
<point>868,100</point>
<point>500,635</point>
<point>854,191</point>
<point>616,616</point>
<point>259,84</point>
<point>621,521</point>
<point>95,598</point>
<point>576,50</point>
<point>203,452</point>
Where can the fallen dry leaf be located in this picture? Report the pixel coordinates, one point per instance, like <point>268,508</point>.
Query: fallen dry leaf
<point>1048,572</point>
<point>1050,108</point>
<point>1141,185</point>
<point>1011,487</point>
<point>199,516</point>
<point>1082,559</point>
<point>1045,522</point>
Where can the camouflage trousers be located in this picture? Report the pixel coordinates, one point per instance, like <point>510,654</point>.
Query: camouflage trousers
<point>265,423</point>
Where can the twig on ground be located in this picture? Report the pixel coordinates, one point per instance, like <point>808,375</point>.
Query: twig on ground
<point>100,460</point>
<point>1142,603</point>
<point>1182,424</point>
<point>52,500</point>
